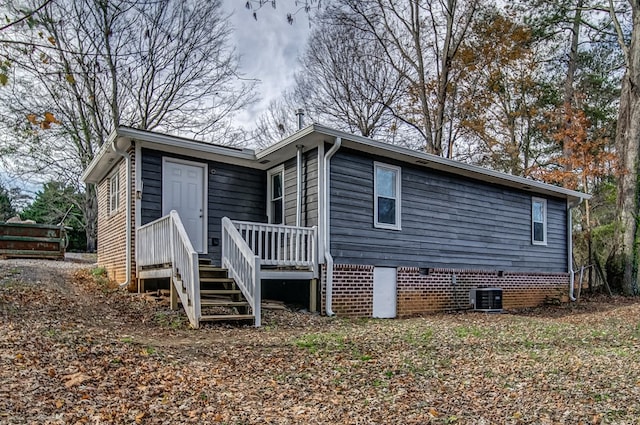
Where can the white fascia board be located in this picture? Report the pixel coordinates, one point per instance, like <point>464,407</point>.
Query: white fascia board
<point>287,141</point>
<point>178,145</point>
<point>183,143</point>
<point>98,161</point>
<point>443,164</point>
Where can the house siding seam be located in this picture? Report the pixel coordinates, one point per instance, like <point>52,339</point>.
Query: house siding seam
<point>112,227</point>
<point>419,294</point>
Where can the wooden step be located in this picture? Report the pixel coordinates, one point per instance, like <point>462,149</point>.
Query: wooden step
<point>222,317</point>
<point>211,268</point>
<point>216,280</point>
<point>222,303</point>
<point>204,261</point>
<point>220,291</point>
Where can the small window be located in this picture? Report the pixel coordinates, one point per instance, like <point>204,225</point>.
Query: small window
<point>114,193</point>
<point>538,221</point>
<point>386,196</point>
<point>276,196</point>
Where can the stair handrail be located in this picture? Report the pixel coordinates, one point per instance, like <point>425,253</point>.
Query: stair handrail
<point>165,241</point>
<point>242,265</point>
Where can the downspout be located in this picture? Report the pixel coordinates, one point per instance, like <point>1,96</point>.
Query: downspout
<point>570,248</point>
<point>326,220</point>
<point>300,115</point>
<point>128,238</point>
<point>299,186</point>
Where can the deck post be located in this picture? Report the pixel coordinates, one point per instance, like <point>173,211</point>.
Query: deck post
<point>257,294</point>
<point>313,295</point>
<point>173,298</point>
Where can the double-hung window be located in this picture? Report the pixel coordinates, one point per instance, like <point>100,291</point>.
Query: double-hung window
<point>386,196</point>
<point>275,189</point>
<point>538,221</point>
<point>114,193</point>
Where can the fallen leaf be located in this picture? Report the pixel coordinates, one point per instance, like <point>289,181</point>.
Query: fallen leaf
<point>75,379</point>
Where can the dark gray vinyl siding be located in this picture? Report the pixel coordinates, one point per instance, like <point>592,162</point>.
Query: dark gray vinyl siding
<point>309,190</point>
<point>235,192</point>
<point>447,221</point>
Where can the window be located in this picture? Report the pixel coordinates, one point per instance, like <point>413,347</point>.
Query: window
<point>538,221</point>
<point>275,188</point>
<point>386,196</point>
<point>114,193</point>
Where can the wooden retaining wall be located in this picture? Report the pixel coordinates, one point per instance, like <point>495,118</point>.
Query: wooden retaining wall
<point>25,240</point>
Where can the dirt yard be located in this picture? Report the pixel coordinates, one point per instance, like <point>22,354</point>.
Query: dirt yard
<point>75,350</point>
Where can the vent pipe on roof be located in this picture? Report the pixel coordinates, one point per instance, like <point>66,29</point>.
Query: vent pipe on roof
<point>300,115</point>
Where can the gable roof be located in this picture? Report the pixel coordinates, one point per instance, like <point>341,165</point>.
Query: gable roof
<point>310,137</point>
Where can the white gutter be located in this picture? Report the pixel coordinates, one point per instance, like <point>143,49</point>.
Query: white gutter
<point>327,220</point>
<point>570,248</point>
<point>299,185</point>
<point>137,199</point>
<point>127,157</point>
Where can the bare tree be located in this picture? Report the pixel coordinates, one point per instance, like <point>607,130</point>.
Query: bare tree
<point>152,64</point>
<point>345,80</point>
<point>420,39</point>
<point>278,121</point>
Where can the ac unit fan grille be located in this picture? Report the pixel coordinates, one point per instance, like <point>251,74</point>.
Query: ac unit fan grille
<point>486,299</point>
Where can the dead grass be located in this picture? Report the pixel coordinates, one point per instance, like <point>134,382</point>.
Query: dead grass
<point>75,351</point>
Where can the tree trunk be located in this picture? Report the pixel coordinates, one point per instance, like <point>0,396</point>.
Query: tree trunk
<point>627,145</point>
<point>91,217</point>
<point>569,92</point>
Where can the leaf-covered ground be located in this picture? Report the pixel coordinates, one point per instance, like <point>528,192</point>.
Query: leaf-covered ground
<point>73,350</point>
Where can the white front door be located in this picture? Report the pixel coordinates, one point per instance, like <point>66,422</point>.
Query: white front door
<point>183,190</point>
<point>384,292</point>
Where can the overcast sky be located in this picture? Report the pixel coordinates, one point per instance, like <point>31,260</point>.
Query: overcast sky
<point>269,48</point>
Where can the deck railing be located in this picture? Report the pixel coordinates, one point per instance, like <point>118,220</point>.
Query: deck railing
<point>165,242</point>
<point>279,245</point>
<point>243,266</point>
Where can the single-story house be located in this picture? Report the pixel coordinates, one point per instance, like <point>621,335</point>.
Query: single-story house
<point>360,227</point>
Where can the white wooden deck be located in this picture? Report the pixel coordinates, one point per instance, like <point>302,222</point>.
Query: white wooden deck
<point>251,252</point>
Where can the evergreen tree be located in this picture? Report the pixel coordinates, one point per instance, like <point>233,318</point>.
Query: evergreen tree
<point>6,206</point>
<point>57,204</point>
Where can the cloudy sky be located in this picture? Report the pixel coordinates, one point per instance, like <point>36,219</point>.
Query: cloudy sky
<point>269,48</point>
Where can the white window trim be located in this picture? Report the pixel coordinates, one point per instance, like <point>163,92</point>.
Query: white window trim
<point>114,198</point>
<point>270,173</point>
<point>544,221</point>
<point>398,171</point>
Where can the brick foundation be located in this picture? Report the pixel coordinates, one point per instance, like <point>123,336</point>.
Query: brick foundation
<point>433,292</point>
<point>352,290</point>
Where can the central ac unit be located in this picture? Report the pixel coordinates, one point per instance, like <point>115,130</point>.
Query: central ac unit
<point>486,299</point>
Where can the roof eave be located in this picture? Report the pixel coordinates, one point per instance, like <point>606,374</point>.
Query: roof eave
<point>460,168</point>
<point>90,174</point>
<point>101,163</point>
